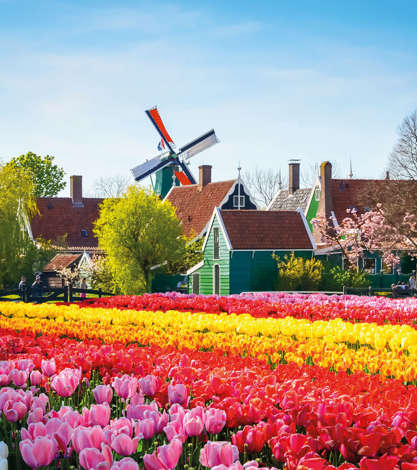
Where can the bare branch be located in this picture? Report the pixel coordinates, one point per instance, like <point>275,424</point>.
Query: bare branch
<point>264,184</point>
<point>111,186</point>
<point>403,158</point>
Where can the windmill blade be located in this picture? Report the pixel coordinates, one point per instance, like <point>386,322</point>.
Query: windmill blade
<point>153,115</point>
<point>187,172</point>
<point>149,167</point>
<point>182,178</point>
<point>198,145</point>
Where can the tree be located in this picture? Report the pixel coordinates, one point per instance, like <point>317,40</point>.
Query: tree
<point>137,232</point>
<point>193,255</point>
<point>17,205</point>
<point>263,184</point>
<point>296,273</point>
<point>403,158</point>
<point>111,186</point>
<point>370,232</point>
<point>48,177</point>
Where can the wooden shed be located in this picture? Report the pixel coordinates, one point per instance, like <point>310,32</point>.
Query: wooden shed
<point>238,250</point>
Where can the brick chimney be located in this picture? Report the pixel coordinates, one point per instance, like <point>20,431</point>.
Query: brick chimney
<point>326,201</point>
<point>293,176</point>
<point>204,175</point>
<point>76,190</point>
<point>387,176</point>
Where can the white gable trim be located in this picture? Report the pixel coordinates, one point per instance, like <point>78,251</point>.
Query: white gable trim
<point>306,226</point>
<point>268,208</point>
<point>216,213</point>
<point>85,258</point>
<point>310,198</point>
<point>335,222</point>
<point>195,267</point>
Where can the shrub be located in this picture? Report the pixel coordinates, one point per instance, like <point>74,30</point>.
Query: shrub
<point>295,273</point>
<point>334,278</point>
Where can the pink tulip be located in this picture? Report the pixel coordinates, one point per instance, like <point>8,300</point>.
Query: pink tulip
<point>177,394</point>
<point>217,453</point>
<point>19,377</point>
<point>165,458</point>
<point>122,444</point>
<point>33,431</point>
<point>4,379</point>
<point>35,415</point>
<point>14,411</point>
<point>100,414</point>
<point>215,420</point>
<point>121,425</point>
<point>146,428</point>
<point>84,438</point>
<point>139,411</point>
<point>25,364</point>
<point>61,431</point>
<point>149,385</point>
<point>175,430</point>
<point>48,367</point>
<point>125,386</point>
<point>38,453</point>
<point>103,394</point>
<point>125,464</point>
<point>93,459</point>
<point>40,402</point>
<point>65,383</point>
<point>193,425</point>
<point>35,377</point>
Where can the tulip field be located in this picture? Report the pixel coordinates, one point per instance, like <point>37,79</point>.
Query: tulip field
<point>171,381</point>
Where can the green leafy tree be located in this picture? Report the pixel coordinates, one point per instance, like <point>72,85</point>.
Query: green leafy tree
<point>137,232</point>
<point>193,255</point>
<point>296,273</point>
<point>334,278</point>
<point>17,205</point>
<point>47,176</point>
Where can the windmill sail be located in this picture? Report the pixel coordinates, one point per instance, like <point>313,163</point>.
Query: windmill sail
<point>196,146</point>
<point>153,115</point>
<point>149,167</point>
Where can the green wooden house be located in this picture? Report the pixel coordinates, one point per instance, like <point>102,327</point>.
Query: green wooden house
<point>238,250</point>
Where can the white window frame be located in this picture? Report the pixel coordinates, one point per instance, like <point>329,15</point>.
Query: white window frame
<point>236,201</point>
<point>216,230</point>
<point>373,271</point>
<point>317,194</point>
<point>214,279</point>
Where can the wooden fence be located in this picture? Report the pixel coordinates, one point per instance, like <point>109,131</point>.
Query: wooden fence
<point>58,294</point>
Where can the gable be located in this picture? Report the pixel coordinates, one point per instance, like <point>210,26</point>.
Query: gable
<point>230,202</point>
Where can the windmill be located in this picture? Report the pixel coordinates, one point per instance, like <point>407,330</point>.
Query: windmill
<point>170,166</point>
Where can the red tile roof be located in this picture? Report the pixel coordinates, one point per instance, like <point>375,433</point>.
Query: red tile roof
<point>58,218</point>
<point>60,261</point>
<point>349,193</point>
<point>195,204</point>
<point>266,230</point>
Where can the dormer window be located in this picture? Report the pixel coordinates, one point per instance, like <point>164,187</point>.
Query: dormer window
<point>84,232</point>
<point>236,201</point>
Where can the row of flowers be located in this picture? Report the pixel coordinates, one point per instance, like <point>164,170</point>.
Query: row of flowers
<point>276,305</point>
<point>387,349</point>
<point>186,410</point>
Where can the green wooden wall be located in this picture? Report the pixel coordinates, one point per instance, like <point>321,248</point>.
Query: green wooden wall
<point>206,271</point>
<point>312,209</point>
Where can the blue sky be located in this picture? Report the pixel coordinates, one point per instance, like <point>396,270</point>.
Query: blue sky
<point>316,80</point>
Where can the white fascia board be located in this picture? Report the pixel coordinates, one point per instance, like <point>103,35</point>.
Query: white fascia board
<point>216,213</point>
<point>195,267</point>
<point>335,222</point>
<point>246,191</point>
<point>310,198</point>
<point>221,223</point>
<point>306,226</point>
<point>85,258</point>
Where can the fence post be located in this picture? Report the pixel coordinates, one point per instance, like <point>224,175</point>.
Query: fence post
<point>70,293</point>
<point>344,290</point>
<point>99,292</point>
<point>369,290</point>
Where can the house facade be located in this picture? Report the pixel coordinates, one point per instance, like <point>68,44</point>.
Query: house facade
<point>238,249</point>
<point>68,223</point>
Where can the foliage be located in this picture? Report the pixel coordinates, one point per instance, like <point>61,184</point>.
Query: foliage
<point>334,278</point>
<point>48,177</point>
<point>100,275</point>
<point>70,276</point>
<point>296,273</point>
<point>369,232</point>
<point>137,232</point>
<point>17,205</point>
<point>193,255</point>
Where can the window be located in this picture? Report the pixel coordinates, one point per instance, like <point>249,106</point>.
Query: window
<point>369,265</point>
<point>216,248</point>
<point>317,194</point>
<point>216,280</point>
<point>84,232</point>
<point>196,283</point>
<point>236,201</point>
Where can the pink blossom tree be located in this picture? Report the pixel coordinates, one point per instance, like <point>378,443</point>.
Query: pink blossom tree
<point>369,232</point>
